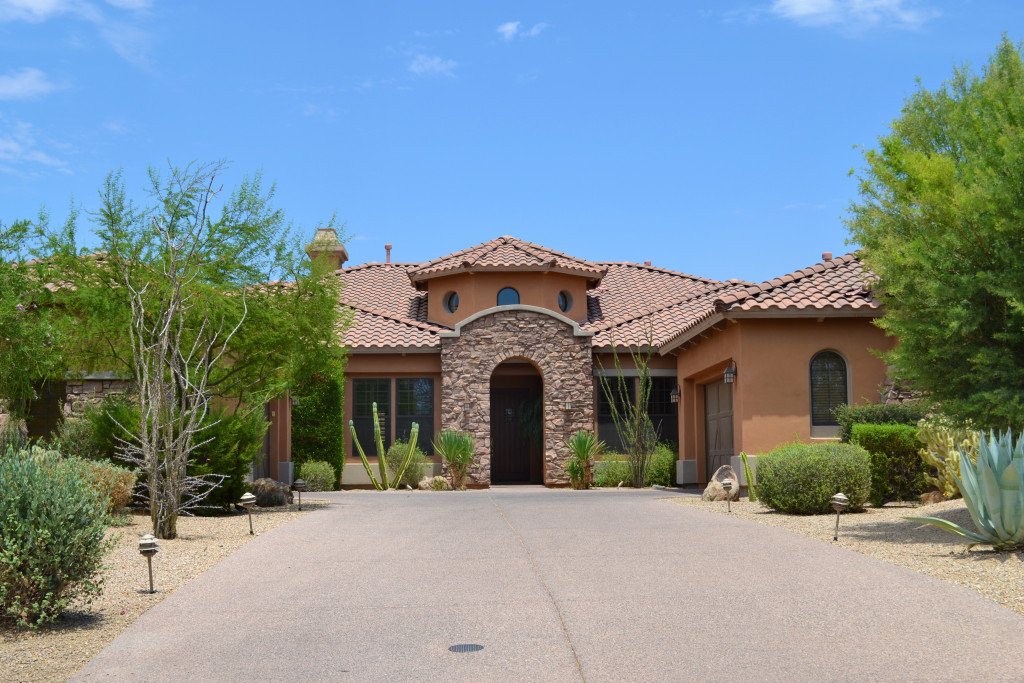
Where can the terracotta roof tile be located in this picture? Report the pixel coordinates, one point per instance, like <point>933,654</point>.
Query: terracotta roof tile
<point>505,253</point>
<point>831,285</point>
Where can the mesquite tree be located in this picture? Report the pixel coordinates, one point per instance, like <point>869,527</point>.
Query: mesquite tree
<point>196,308</point>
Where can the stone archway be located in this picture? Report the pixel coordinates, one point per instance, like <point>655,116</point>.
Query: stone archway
<point>555,345</point>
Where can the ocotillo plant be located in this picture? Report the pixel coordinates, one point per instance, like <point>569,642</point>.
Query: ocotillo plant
<point>382,466</point>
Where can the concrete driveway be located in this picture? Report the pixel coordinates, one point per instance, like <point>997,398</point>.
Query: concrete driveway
<point>557,585</point>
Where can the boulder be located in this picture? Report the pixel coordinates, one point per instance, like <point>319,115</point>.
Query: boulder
<point>270,493</point>
<point>714,491</point>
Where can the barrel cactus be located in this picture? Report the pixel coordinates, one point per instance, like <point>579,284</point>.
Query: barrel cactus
<point>993,490</point>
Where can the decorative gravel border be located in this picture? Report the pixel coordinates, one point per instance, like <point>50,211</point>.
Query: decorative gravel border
<point>882,533</point>
<point>55,653</point>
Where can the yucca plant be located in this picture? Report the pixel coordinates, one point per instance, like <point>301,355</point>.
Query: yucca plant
<point>583,448</point>
<point>456,449</point>
<point>383,483</point>
<point>994,492</point>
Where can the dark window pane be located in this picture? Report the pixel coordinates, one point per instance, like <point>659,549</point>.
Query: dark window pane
<point>415,403</point>
<point>605,424</point>
<point>508,297</point>
<point>366,392</point>
<point>662,411</point>
<point>828,387</point>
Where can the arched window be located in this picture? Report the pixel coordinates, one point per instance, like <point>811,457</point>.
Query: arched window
<point>828,387</point>
<point>508,297</point>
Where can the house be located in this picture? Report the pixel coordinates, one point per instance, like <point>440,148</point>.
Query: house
<point>507,340</point>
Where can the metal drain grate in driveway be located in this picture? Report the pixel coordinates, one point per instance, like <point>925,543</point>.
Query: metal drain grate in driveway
<point>466,647</point>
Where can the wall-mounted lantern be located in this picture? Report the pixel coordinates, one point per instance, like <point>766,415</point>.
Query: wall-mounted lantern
<point>148,548</point>
<point>568,405</point>
<point>295,401</point>
<point>729,376</point>
<point>676,393</point>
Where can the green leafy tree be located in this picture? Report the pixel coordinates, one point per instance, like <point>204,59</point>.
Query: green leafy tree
<point>198,306</point>
<point>941,222</point>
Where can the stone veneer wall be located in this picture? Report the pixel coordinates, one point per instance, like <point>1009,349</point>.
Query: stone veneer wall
<point>86,392</point>
<point>565,363</point>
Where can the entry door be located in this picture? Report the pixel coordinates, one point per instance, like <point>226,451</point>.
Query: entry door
<point>510,444</point>
<point>717,425</point>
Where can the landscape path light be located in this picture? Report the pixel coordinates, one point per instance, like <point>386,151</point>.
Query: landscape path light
<point>839,503</point>
<point>727,485</point>
<point>148,548</point>
<point>300,486</point>
<point>247,501</point>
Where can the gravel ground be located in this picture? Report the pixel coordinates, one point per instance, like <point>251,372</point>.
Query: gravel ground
<point>882,533</point>
<point>55,653</point>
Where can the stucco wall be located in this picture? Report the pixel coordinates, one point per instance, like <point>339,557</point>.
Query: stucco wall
<point>771,400</point>
<point>479,291</point>
<point>561,356</point>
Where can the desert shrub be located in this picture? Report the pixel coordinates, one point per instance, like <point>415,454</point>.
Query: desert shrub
<point>52,526</point>
<point>437,483</point>
<point>611,469</point>
<point>456,449</point>
<point>318,421</point>
<point>662,469</point>
<point>75,439</point>
<point>417,464</point>
<point>235,441</point>
<point>801,479</point>
<point>269,493</point>
<point>13,434</point>
<point>583,446</point>
<point>112,482</point>
<point>878,414</point>
<point>897,472</point>
<point>944,441</point>
<point>318,475</point>
<point>103,421</point>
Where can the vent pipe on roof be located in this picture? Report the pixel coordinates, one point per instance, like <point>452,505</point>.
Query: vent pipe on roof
<point>387,258</point>
<point>826,256</point>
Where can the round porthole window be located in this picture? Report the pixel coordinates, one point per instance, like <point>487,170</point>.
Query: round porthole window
<point>451,302</point>
<point>564,301</point>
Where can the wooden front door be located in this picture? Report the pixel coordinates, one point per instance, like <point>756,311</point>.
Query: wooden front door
<point>515,419</point>
<point>717,426</point>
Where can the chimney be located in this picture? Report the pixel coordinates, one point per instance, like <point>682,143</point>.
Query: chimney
<point>387,258</point>
<point>326,242</point>
<point>647,263</point>
<point>826,256</point>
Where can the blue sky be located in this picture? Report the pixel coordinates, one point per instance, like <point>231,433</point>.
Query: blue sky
<point>711,137</point>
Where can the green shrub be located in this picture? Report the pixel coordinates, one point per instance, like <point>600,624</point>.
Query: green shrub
<point>13,434</point>
<point>456,449</point>
<point>416,469</point>
<point>611,469</point>
<point>104,420</point>
<point>52,526</point>
<point>801,479</point>
<point>235,442</point>
<point>878,414</point>
<point>318,421</point>
<point>662,469</point>
<point>318,475</point>
<point>897,472</point>
<point>583,446</point>
<point>112,482</point>
<point>75,439</point>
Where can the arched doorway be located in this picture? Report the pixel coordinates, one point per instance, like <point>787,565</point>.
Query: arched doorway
<point>517,424</point>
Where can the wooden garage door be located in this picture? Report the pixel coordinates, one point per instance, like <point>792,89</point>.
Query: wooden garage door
<point>718,425</point>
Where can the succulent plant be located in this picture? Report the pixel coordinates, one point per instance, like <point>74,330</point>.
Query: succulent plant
<point>994,492</point>
<point>384,482</point>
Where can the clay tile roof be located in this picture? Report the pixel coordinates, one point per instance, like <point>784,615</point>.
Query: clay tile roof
<point>505,253</point>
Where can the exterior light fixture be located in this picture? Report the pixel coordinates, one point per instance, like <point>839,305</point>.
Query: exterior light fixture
<point>675,394</point>
<point>466,407</point>
<point>295,401</point>
<point>727,485</point>
<point>839,503</point>
<point>568,405</point>
<point>247,501</point>
<point>299,485</point>
<point>148,548</point>
<point>729,376</point>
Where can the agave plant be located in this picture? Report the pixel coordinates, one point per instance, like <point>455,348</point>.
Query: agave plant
<point>583,448</point>
<point>994,492</point>
<point>456,449</point>
<point>384,483</point>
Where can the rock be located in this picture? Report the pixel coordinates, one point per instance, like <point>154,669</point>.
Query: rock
<point>270,493</point>
<point>932,497</point>
<point>714,491</point>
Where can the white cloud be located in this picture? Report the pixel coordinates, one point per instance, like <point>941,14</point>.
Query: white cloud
<point>18,145</point>
<point>23,84</point>
<point>127,40</point>
<point>854,13</point>
<point>510,30</point>
<point>422,65</point>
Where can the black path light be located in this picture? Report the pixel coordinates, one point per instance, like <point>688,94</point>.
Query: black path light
<point>299,485</point>
<point>839,503</point>
<point>148,548</point>
<point>247,501</point>
<point>727,485</point>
